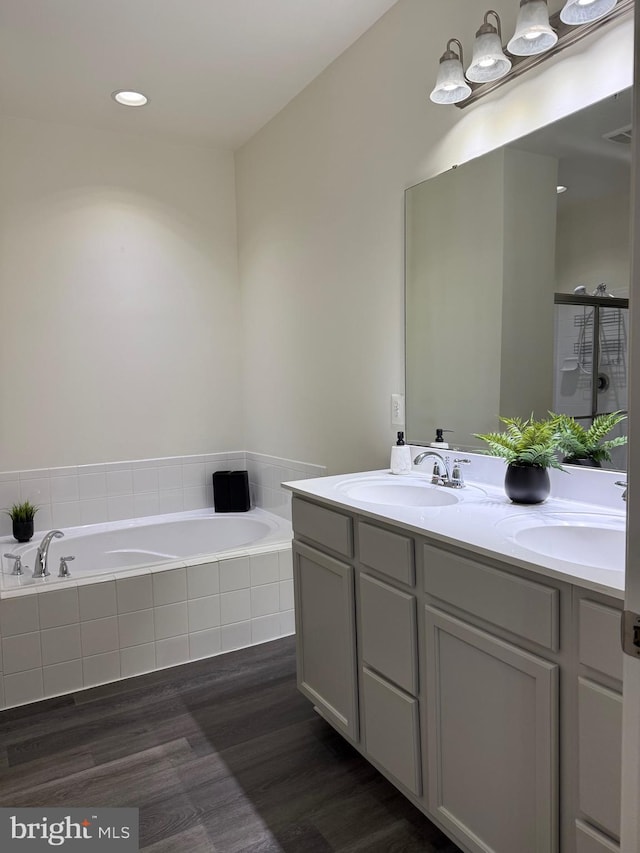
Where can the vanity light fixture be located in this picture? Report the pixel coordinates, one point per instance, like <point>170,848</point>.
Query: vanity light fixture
<point>533,31</point>
<point>451,86</point>
<point>576,12</point>
<point>129,98</point>
<point>488,62</point>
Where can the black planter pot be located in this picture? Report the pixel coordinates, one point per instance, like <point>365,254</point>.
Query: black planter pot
<point>23,530</point>
<point>585,461</point>
<point>527,484</point>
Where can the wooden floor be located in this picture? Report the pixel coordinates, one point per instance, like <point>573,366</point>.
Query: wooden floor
<point>219,755</point>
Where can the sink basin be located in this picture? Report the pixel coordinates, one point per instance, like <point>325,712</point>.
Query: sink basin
<point>399,493</point>
<point>589,540</point>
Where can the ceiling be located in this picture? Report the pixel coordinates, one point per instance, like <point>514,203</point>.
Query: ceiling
<point>215,71</point>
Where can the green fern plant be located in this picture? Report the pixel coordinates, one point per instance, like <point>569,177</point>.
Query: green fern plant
<point>22,512</point>
<point>529,442</point>
<point>576,442</point>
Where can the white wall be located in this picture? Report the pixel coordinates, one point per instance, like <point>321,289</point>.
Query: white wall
<point>119,298</point>
<point>320,199</point>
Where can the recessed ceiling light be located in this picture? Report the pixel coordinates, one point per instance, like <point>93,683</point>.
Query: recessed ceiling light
<point>128,98</point>
<point>561,189</point>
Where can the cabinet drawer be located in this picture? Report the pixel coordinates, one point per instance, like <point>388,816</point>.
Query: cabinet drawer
<point>589,840</point>
<point>600,638</point>
<point>387,552</point>
<point>599,755</point>
<point>325,526</point>
<point>526,609</point>
<point>392,733</point>
<point>389,632</point>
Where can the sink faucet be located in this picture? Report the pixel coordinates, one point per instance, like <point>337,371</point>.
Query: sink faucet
<point>443,474</point>
<point>40,569</point>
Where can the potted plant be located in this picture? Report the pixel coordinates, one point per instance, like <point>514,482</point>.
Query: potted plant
<point>529,448</point>
<point>588,446</point>
<point>21,515</point>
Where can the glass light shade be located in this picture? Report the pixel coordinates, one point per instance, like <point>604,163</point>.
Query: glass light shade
<point>451,87</point>
<point>129,98</point>
<point>533,33</point>
<point>576,12</point>
<point>489,62</point>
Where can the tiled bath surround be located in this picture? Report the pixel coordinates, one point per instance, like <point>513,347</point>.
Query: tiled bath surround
<point>92,631</point>
<point>113,491</point>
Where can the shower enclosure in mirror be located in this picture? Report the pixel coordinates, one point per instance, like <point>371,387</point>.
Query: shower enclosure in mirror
<point>517,281</point>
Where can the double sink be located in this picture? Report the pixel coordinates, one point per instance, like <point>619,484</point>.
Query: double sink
<point>590,539</point>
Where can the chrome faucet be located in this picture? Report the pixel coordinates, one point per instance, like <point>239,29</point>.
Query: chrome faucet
<point>443,474</point>
<point>623,485</point>
<point>40,569</point>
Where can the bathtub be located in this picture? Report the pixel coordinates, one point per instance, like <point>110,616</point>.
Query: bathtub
<point>114,547</point>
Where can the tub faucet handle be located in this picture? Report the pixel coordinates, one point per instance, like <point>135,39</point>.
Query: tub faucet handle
<point>17,566</point>
<point>623,485</point>
<point>64,568</point>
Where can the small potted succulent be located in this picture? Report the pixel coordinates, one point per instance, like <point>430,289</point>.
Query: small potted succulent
<point>22,515</point>
<point>529,448</point>
<point>588,446</point>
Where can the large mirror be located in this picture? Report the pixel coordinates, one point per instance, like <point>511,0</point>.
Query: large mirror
<point>517,281</point>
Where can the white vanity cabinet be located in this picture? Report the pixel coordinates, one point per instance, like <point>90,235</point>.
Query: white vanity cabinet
<point>599,686</point>
<point>490,695</point>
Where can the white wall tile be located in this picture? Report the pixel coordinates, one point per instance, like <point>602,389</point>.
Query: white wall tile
<point>171,620</point>
<point>34,474</point>
<point>64,489</point>
<point>119,482</point>
<point>234,574</point>
<point>91,469</point>
<point>285,561</point>
<point>146,504</point>
<point>19,615</point>
<point>236,636</point>
<point>170,477</point>
<point>61,644</point>
<point>120,507</point>
<point>92,485</point>
<point>265,599</point>
<point>63,471</point>
<point>63,678</point>
<point>97,600</point>
<point>68,514</point>
<point>22,652</point>
<point>1,665</point>
<point>172,651</point>
<point>193,475</point>
<point>169,587</point>
<point>202,644</point>
<point>286,595</point>
<point>264,568</point>
<point>93,511</point>
<point>195,497</point>
<point>99,636</point>
<point>235,606</point>
<point>137,659</point>
<point>37,491</point>
<point>171,500</point>
<point>204,613</point>
<point>134,593</point>
<point>9,492</point>
<point>136,628</point>
<point>58,607</point>
<point>287,623</point>
<point>2,701</point>
<point>23,687</point>
<point>100,669</point>
<point>145,480</point>
<point>265,628</point>
<point>203,580</point>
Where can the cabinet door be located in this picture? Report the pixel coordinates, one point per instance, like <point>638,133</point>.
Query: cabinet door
<point>600,755</point>
<point>492,739</point>
<point>325,636</point>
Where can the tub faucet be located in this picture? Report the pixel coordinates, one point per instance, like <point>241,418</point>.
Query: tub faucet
<point>623,485</point>
<point>443,475</point>
<point>40,569</point>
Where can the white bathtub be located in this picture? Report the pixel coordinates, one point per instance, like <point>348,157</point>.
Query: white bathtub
<point>113,547</point>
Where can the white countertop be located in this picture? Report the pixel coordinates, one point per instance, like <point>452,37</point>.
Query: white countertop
<point>484,522</point>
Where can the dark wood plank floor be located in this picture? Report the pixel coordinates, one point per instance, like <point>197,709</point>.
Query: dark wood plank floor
<point>220,756</point>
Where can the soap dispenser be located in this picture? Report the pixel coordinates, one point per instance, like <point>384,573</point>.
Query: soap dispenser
<point>400,456</point>
<point>439,439</point>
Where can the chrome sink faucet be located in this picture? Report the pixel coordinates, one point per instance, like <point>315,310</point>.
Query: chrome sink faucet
<point>40,570</point>
<point>443,474</point>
